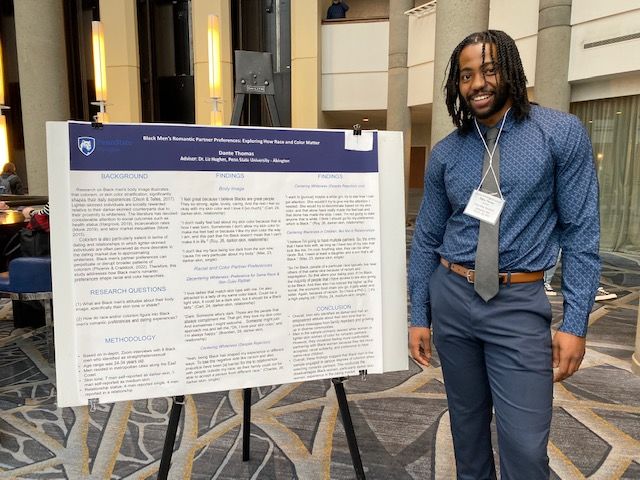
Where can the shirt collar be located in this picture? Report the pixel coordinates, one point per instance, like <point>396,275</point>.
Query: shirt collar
<point>508,123</point>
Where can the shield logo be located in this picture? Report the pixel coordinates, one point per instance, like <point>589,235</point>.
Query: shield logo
<point>86,145</point>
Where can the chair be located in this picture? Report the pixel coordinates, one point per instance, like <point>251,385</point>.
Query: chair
<point>30,279</point>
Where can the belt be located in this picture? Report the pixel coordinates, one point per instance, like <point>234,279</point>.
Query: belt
<point>509,277</point>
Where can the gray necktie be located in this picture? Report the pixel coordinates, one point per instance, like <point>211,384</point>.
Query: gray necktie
<point>486,276</point>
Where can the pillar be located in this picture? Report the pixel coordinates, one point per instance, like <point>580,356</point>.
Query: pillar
<point>455,19</point>
<point>119,20</point>
<point>44,87</point>
<point>306,70</point>
<point>552,87</point>
<point>200,11</point>
<point>635,358</point>
<point>398,113</point>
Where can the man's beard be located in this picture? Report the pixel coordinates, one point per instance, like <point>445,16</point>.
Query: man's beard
<point>500,97</point>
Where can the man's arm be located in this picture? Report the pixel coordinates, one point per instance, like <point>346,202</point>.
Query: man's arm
<point>579,221</point>
<point>429,231</point>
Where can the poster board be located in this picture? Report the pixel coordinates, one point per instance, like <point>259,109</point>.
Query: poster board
<point>189,259</point>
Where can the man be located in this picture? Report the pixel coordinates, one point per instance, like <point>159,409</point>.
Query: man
<point>337,9</point>
<point>491,329</point>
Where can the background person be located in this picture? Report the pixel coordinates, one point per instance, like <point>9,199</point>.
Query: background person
<point>30,212</point>
<point>493,335</point>
<point>337,9</point>
<point>10,182</point>
<point>33,239</point>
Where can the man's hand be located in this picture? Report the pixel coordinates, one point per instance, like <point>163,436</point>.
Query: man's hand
<point>420,344</point>
<point>568,352</point>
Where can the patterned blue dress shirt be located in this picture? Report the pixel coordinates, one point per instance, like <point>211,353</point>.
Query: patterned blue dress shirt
<point>549,183</point>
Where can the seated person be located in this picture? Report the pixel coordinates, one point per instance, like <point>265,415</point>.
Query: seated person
<point>30,241</point>
<point>10,183</point>
<point>29,212</point>
<point>33,239</point>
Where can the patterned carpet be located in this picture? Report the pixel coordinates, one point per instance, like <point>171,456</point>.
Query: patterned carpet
<point>400,419</point>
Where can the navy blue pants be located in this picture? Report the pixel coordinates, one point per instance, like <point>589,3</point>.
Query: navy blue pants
<point>495,355</point>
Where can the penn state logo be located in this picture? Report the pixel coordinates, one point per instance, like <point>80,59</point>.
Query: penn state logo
<point>86,145</point>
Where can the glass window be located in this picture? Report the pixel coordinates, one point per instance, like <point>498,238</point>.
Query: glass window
<point>614,127</point>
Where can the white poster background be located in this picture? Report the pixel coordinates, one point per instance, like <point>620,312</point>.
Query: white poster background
<point>137,270</point>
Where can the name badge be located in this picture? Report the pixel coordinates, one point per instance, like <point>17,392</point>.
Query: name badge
<point>485,207</point>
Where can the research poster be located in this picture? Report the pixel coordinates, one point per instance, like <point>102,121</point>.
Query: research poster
<point>191,259</point>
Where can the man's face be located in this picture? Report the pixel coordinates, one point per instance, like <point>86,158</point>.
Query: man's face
<point>480,84</point>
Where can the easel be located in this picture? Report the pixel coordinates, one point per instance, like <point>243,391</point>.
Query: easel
<point>254,76</point>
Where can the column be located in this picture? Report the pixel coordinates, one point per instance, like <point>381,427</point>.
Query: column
<point>552,87</point>
<point>455,19</point>
<point>306,71</point>
<point>398,113</point>
<point>200,11</point>
<point>119,20</point>
<point>635,358</point>
<point>44,87</point>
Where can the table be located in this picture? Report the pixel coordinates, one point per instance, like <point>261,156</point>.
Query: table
<point>11,217</point>
<point>11,221</point>
<point>24,200</point>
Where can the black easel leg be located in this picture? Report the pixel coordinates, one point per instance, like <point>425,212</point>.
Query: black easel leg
<point>273,110</point>
<point>170,438</point>
<point>348,427</point>
<point>237,109</point>
<point>246,424</point>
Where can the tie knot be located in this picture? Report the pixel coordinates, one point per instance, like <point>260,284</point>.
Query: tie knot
<point>491,135</point>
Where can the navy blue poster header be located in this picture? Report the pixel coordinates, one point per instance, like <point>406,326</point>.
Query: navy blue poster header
<point>197,148</point>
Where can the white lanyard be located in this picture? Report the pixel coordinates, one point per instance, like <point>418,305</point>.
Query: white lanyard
<point>490,153</point>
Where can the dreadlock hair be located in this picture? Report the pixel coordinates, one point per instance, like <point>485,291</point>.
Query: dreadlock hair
<point>511,71</point>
